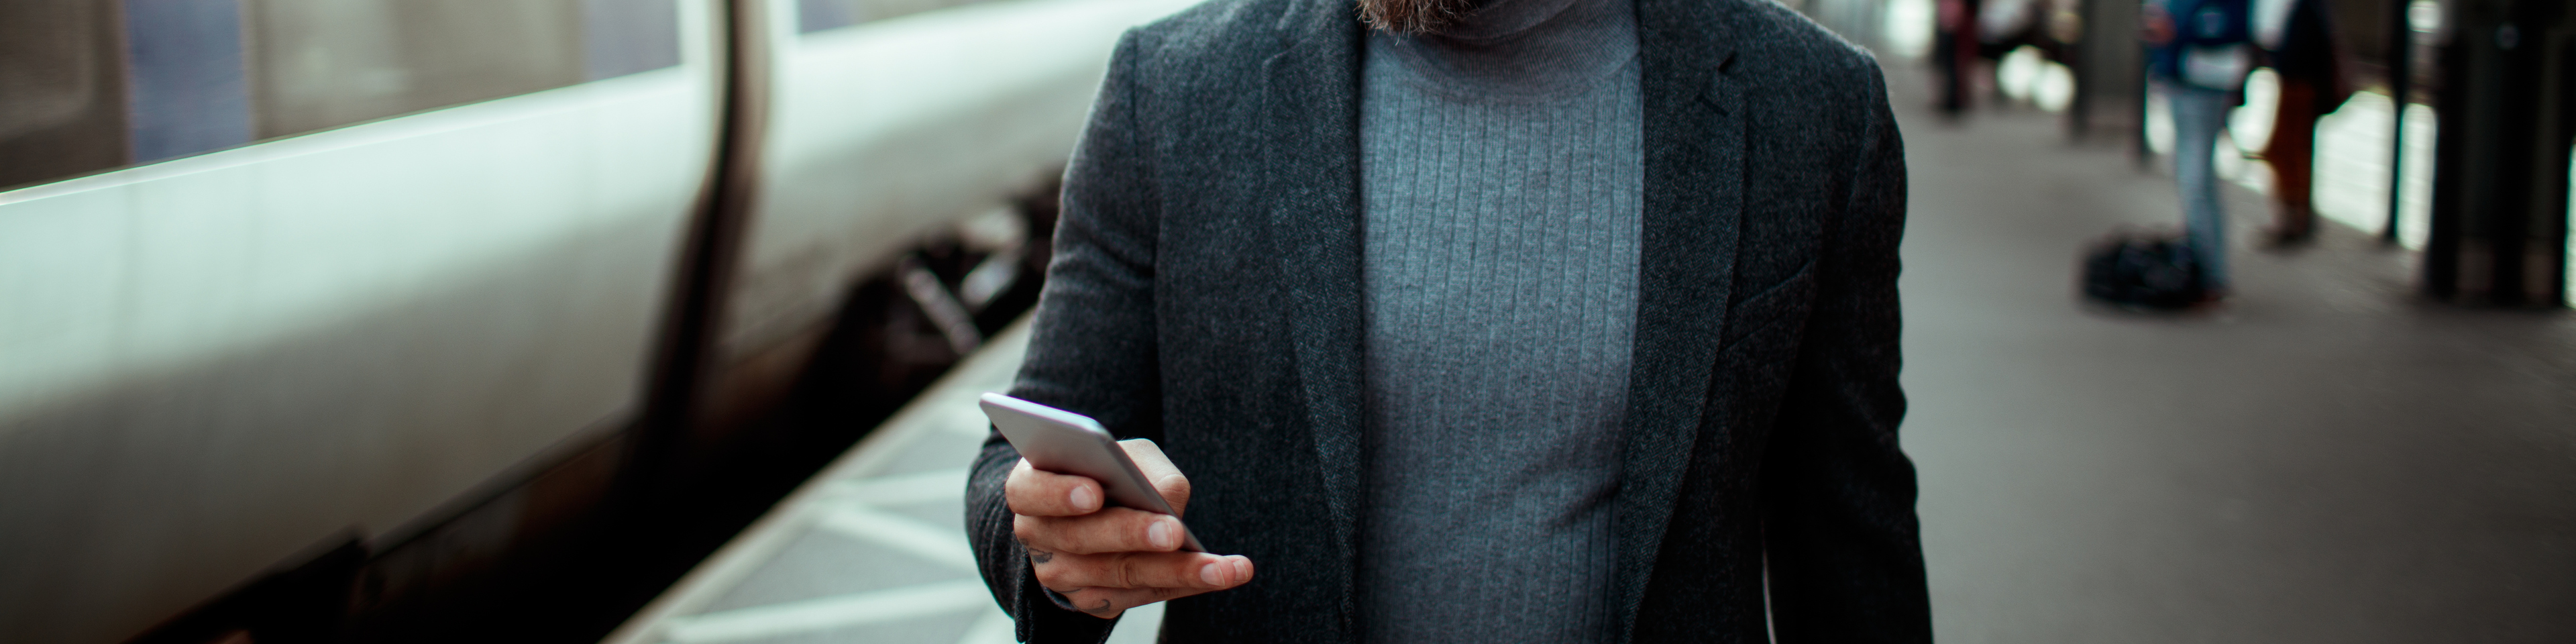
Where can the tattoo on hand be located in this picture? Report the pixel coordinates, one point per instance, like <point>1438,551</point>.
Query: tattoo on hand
<point>1041,556</point>
<point>1101,610</point>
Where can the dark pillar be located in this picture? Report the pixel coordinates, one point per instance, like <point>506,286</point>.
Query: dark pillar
<point>2501,169</point>
<point>2110,70</point>
<point>2401,91</point>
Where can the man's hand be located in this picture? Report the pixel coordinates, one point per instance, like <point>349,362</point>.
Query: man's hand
<point>1108,561</point>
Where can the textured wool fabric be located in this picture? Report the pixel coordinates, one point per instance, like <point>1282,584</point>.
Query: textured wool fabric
<point>1206,293</point>
<point>1502,181</point>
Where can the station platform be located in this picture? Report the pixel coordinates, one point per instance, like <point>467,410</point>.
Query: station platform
<point>2324,458</point>
<point>2327,457</point>
<point>873,549</point>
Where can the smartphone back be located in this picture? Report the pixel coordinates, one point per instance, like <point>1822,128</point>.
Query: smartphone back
<point>1064,442</point>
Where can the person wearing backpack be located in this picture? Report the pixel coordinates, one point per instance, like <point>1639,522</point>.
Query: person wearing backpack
<point>2202,50</point>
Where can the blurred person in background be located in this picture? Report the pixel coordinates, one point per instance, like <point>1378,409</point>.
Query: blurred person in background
<point>1956,50</point>
<point>2202,51</point>
<point>1551,321</point>
<point>2297,37</point>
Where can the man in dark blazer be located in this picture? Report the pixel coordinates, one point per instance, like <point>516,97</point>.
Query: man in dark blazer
<point>1225,285</point>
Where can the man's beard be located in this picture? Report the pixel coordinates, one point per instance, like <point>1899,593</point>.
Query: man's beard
<point>1415,16</point>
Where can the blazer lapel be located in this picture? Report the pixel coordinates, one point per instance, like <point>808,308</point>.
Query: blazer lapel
<point>1312,135</point>
<point>1694,172</point>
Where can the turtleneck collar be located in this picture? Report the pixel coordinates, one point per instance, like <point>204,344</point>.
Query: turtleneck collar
<point>1523,46</point>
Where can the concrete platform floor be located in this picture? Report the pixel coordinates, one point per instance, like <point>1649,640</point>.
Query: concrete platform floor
<point>2324,459</point>
<point>871,550</point>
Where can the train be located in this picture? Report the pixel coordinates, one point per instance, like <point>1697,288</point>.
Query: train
<point>315,312</point>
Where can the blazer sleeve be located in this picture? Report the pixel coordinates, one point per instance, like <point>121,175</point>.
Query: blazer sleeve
<point>1842,544</point>
<point>1093,347</point>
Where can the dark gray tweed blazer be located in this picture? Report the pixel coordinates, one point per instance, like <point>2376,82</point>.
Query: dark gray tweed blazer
<point>1206,294</point>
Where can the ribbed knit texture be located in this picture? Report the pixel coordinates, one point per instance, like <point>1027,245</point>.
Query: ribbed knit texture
<point>1501,181</point>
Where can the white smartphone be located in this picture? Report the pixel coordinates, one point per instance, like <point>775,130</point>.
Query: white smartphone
<point>1064,442</point>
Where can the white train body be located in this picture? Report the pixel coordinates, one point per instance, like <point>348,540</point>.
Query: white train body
<point>212,363</point>
<point>887,130</point>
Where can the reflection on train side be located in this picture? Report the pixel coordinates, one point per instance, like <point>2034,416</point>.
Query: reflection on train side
<point>374,291</point>
<point>149,80</point>
<point>218,361</point>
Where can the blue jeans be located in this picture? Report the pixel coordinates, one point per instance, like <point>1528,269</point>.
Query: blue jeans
<point>2198,116</point>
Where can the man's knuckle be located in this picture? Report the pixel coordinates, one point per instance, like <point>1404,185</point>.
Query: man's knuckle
<point>1124,572</point>
<point>1112,536</point>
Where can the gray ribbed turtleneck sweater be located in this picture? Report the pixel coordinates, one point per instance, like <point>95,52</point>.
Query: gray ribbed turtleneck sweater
<point>1502,172</point>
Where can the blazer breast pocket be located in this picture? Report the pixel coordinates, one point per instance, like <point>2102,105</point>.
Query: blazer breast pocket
<point>1775,305</point>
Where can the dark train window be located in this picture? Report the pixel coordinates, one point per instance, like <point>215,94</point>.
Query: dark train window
<point>184,69</point>
<point>87,85</point>
<point>821,15</point>
<point>61,89</point>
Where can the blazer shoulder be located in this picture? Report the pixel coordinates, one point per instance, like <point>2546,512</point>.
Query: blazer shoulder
<point>1213,35</point>
<point>1796,53</point>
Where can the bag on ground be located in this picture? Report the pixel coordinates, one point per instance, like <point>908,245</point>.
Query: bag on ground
<point>2143,270</point>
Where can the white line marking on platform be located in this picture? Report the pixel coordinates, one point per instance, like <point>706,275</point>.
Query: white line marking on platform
<point>907,489</point>
<point>990,369</point>
<point>900,532</point>
<point>829,612</point>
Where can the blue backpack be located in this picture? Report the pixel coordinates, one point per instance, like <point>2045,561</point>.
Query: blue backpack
<point>2212,22</point>
<point>2212,46</point>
